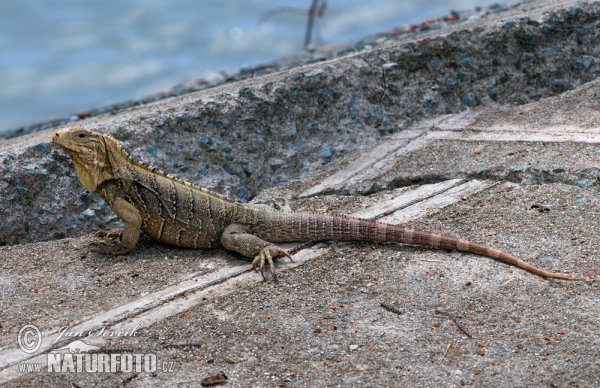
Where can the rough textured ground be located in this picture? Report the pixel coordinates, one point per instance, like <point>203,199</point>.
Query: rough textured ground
<point>460,319</point>
<point>324,325</point>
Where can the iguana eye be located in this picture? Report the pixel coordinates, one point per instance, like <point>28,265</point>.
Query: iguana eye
<point>82,135</point>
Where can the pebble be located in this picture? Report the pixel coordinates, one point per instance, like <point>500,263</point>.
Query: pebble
<point>88,213</point>
<point>469,100</point>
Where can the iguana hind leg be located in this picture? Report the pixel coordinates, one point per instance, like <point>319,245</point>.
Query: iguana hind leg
<point>238,238</point>
<point>119,243</point>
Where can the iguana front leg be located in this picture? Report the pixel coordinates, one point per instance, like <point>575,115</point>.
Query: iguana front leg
<point>238,238</point>
<point>126,240</point>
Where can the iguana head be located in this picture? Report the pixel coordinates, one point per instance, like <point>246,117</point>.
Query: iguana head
<point>88,150</point>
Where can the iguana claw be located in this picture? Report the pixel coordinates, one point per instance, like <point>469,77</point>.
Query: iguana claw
<point>267,254</point>
<point>108,233</point>
<point>110,244</point>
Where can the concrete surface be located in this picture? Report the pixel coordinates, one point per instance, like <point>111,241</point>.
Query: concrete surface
<point>519,178</point>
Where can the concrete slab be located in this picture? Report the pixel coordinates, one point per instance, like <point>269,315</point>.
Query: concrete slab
<point>324,321</point>
<point>430,205</point>
<point>521,179</point>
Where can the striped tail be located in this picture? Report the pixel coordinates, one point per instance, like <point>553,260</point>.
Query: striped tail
<point>318,226</point>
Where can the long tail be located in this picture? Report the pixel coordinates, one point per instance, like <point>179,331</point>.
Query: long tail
<point>316,226</point>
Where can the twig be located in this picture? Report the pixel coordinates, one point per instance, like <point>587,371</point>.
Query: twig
<point>277,10</point>
<point>455,322</point>
<point>317,9</point>
<point>446,352</point>
<point>191,345</point>
<point>391,308</point>
<point>313,12</point>
<point>129,379</point>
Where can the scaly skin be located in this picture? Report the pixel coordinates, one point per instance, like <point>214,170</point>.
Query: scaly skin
<point>178,213</point>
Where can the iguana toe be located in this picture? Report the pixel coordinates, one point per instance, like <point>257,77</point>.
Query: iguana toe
<point>109,249</point>
<point>266,255</point>
<point>108,233</point>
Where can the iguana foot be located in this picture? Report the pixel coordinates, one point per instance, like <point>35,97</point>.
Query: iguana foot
<point>110,243</point>
<point>108,233</point>
<point>266,255</point>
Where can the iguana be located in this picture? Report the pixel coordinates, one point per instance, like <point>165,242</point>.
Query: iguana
<point>184,215</point>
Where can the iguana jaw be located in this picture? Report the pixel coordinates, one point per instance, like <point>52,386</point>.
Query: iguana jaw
<point>88,153</point>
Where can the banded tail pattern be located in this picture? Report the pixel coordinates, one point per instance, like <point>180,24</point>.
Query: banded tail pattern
<point>282,226</point>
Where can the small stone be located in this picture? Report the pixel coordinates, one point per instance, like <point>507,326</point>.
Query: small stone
<point>546,29</point>
<point>152,151</point>
<point>43,148</point>
<point>88,213</point>
<point>464,61</point>
<point>228,169</point>
<point>434,63</point>
<point>22,190</point>
<point>326,153</point>
<point>574,11</point>
<point>528,36</point>
<point>468,100</point>
<point>583,183</point>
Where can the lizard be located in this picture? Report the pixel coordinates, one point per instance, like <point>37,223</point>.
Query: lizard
<point>182,214</point>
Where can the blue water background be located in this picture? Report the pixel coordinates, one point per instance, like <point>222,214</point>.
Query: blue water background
<point>66,56</point>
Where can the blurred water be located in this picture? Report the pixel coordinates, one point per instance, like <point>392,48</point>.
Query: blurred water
<point>66,56</point>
